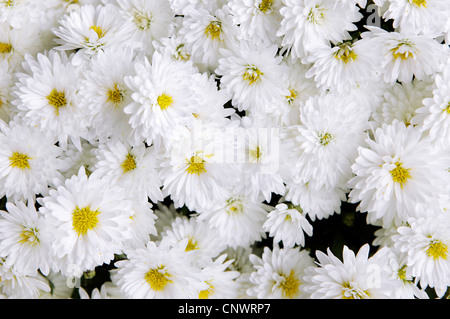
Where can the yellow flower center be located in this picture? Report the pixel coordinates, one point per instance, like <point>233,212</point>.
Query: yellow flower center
<point>213,30</point>
<point>191,245</point>
<point>419,3</point>
<point>142,20</point>
<point>291,98</point>
<point>196,165</point>
<point>401,51</point>
<point>19,160</point>
<point>400,174</point>
<point>325,138</point>
<point>158,278</point>
<point>29,236</point>
<point>350,292</point>
<point>255,155</point>
<point>180,53</point>
<point>164,101</point>
<point>5,48</point>
<point>84,219</point>
<point>265,5</point>
<point>290,285</point>
<point>98,30</point>
<point>447,109</point>
<point>234,206</point>
<point>128,164</point>
<point>437,250</point>
<point>252,74</point>
<point>401,274</point>
<point>57,100</point>
<point>115,95</point>
<point>8,3</point>
<point>315,15</point>
<point>345,53</point>
<point>204,294</point>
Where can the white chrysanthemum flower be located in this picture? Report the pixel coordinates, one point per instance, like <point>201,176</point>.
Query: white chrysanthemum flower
<point>325,143</point>
<point>237,220</point>
<point>93,29</point>
<point>29,162</point>
<point>308,22</point>
<point>152,20</point>
<point>166,215</point>
<point>47,97</point>
<point>398,169</point>
<point>355,277</point>
<point>402,56</point>
<point>20,13</point>
<point>162,97</point>
<point>194,172</point>
<point>21,242</point>
<point>285,109</point>
<point>60,289</point>
<point>426,17</point>
<point>206,32</point>
<point>132,168</point>
<point>405,287</point>
<point>199,236</point>
<point>257,19</point>
<point>343,65</point>
<point>315,199</point>
<point>15,43</point>
<point>104,95</point>
<point>425,241</point>
<point>7,80</point>
<point>288,224</point>
<point>221,281</point>
<point>179,6</point>
<point>17,285</point>
<point>142,226</point>
<point>402,100</point>
<point>279,273</point>
<point>87,221</point>
<point>433,117</point>
<point>159,271</point>
<point>251,74</point>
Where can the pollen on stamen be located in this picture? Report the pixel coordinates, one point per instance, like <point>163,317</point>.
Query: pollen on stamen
<point>290,285</point>
<point>196,165</point>
<point>400,174</point>
<point>265,6</point>
<point>115,95</point>
<point>19,160</point>
<point>5,48</point>
<point>164,101</point>
<point>213,30</point>
<point>345,53</point>
<point>252,74</point>
<point>57,100</point>
<point>158,278</point>
<point>419,3</point>
<point>84,219</point>
<point>98,30</point>
<point>128,164</point>
<point>204,294</point>
<point>437,250</point>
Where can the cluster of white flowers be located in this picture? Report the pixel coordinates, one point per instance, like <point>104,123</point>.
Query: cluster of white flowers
<point>188,147</point>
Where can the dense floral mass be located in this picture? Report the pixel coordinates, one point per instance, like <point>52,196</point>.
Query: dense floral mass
<point>224,149</point>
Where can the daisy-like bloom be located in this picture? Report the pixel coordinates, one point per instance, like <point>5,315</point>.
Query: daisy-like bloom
<point>152,20</point>
<point>398,169</point>
<point>7,111</point>
<point>257,19</point>
<point>425,241</point>
<point>314,198</point>
<point>250,73</point>
<point>104,94</point>
<point>20,13</point>
<point>87,221</point>
<point>17,285</point>
<point>93,29</point>
<point>406,287</point>
<point>15,43</point>
<point>199,236</point>
<point>206,32</point>
<point>160,272</point>
<point>307,22</point>
<point>220,279</point>
<point>288,224</point>
<point>404,55</point>
<point>238,220</point>
<point>279,273</point>
<point>194,172</point>
<point>143,225</point>
<point>325,143</point>
<point>179,6</point>
<point>29,162</point>
<point>134,169</point>
<point>402,100</point>
<point>345,64</point>
<point>47,97</point>
<point>162,97</point>
<point>426,17</point>
<point>355,277</point>
<point>285,109</point>
<point>21,241</point>
<point>433,117</point>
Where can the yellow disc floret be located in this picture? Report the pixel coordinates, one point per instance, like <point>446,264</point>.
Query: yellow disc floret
<point>84,219</point>
<point>164,101</point>
<point>400,174</point>
<point>19,160</point>
<point>290,285</point>
<point>158,278</point>
<point>57,100</point>
<point>437,250</point>
<point>196,165</point>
